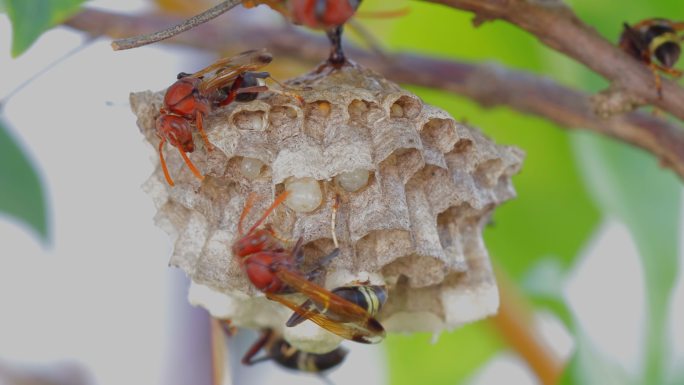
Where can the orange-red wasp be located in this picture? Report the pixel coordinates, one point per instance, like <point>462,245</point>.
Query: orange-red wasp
<point>193,96</point>
<point>285,355</point>
<point>654,39</point>
<point>329,15</point>
<point>274,270</point>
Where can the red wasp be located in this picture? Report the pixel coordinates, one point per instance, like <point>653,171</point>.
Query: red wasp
<point>274,270</point>
<point>285,355</point>
<point>193,96</point>
<point>329,15</point>
<point>654,38</point>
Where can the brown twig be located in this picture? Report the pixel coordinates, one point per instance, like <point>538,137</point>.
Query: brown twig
<point>487,84</point>
<point>515,322</point>
<point>558,27</point>
<point>218,353</point>
<point>211,13</point>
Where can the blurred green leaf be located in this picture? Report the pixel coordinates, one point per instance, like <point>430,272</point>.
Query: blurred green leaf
<point>2,5</point>
<point>630,185</point>
<point>677,375</point>
<point>544,284</point>
<point>21,193</point>
<point>553,214</point>
<point>449,361</point>
<point>587,366</point>
<point>30,18</point>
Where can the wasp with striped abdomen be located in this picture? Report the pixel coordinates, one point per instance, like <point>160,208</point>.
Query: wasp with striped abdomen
<point>654,40</point>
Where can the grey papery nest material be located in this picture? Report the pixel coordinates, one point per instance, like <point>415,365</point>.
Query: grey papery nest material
<point>416,226</point>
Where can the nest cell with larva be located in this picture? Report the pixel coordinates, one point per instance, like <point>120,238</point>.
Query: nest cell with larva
<point>416,189</point>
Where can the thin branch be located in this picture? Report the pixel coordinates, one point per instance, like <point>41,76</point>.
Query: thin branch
<point>515,322</point>
<point>211,13</point>
<point>489,85</point>
<point>558,27</point>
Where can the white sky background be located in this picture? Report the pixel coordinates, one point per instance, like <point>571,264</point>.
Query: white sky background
<point>101,294</point>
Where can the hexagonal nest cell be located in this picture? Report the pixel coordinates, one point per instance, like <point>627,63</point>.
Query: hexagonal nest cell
<point>414,225</point>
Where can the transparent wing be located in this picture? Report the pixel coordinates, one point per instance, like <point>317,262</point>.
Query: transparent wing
<point>370,332</point>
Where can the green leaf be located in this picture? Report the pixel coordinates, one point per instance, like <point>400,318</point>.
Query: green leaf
<point>30,18</point>
<point>552,216</point>
<point>677,375</point>
<point>21,193</point>
<point>587,366</point>
<point>629,185</point>
<point>544,284</point>
<point>449,361</point>
<point>2,5</point>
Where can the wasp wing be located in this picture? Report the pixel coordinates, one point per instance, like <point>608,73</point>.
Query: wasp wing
<point>370,333</point>
<point>297,318</point>
<point>327,301</point>
<point>226,70</point>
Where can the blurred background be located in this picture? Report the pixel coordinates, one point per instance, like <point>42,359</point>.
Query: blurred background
<point>592,243</point>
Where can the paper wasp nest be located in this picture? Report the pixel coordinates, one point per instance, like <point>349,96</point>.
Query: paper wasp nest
<point>416,223</point>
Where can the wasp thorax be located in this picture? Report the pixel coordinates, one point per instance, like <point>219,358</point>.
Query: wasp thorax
<point>415,190</point>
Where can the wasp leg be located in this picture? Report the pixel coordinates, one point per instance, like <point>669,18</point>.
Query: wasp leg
<point>670,71</point>
<point>191,166</point>
<point>248,358</point>
<point>199,119</point>
<point>336,55</point>
<point>656,77</point>
<point>314,273</point>
<point>163,162</point>
<point>228,328</point>
<point>298,253</point>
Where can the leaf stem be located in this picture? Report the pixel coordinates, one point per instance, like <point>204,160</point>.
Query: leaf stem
<point>515,322</point>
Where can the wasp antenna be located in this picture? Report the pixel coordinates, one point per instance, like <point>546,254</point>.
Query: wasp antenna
<point>163,163</point>
<point>199,122</point>
<point>245,211</point>
<point>191,166</point>
<point>279,199</point>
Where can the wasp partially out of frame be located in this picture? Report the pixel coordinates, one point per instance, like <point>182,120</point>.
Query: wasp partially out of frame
<point>654,40</point>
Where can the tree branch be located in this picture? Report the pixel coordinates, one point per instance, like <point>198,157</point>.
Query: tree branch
<point>489,85</point>
<point>558,27</point>
<point>516,324</point>
<point>211,13</point>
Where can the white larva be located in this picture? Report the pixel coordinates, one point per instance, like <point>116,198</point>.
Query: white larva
<point>251,167</point>
<point>305,194</point>
<point>353,180</point>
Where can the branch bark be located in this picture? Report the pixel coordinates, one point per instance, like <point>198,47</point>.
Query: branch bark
<point>557,26</point>
<point>487,84</point>
<point>516,324</point>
